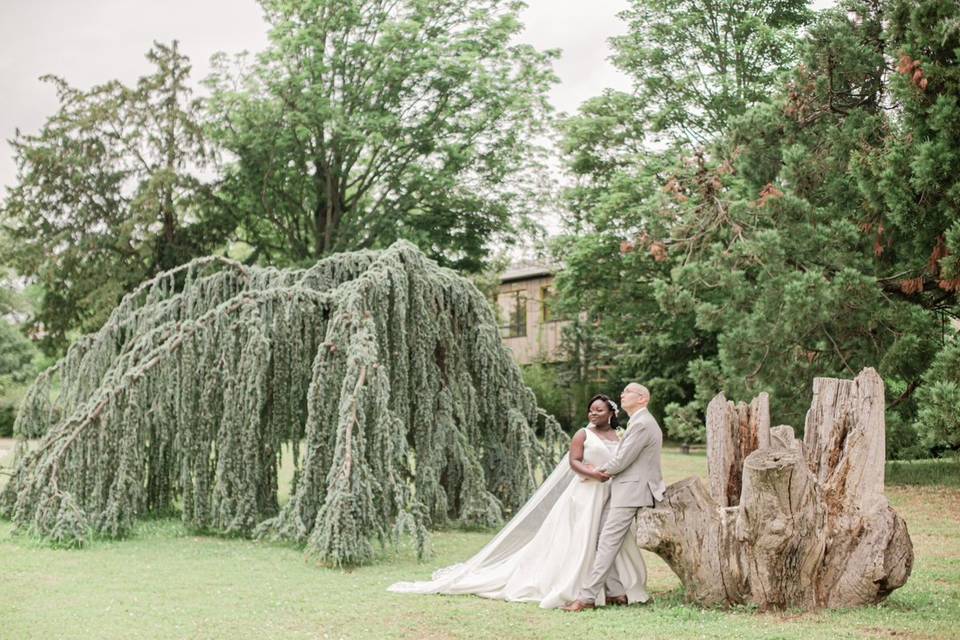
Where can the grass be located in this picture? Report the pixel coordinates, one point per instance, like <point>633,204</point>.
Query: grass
<point>166,583</point>
<point>944,472</point>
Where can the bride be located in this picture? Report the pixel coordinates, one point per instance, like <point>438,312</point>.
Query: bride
<point>546,551</point>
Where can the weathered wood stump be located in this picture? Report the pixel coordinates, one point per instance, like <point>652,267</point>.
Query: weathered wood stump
<point>782,523</point>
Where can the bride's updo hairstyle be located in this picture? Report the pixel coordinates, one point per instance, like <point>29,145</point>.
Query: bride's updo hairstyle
<point>614,421</point>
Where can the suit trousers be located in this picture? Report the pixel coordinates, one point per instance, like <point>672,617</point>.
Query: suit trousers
<point>612,534</point>
<point>612,585</point>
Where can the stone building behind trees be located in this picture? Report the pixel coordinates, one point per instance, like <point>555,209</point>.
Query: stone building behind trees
<point>528,324</point>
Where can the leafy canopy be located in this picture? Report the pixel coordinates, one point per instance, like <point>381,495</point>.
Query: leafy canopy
<point>367,121</point>
<point>108,193</point>
<point>695,66</point>
<point>816,233</point>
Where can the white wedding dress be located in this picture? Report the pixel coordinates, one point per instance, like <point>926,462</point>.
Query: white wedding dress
<point>546,551</point>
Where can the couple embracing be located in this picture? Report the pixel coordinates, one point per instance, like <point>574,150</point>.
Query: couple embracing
<point>573,544</point>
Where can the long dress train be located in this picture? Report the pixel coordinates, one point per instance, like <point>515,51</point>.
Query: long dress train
<point>545,553</point>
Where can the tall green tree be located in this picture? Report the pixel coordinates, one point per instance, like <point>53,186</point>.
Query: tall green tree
<point>772,256</point>
<point>913,188</point>
<point>695,65</point>
<point>911,183</point>
<point>370,120</point>
<point>938,421</point>
<point>108,193</point>
<point>17,353</point>
<point>813,238</point>
<point>18,356</point>
<point>833,228</point>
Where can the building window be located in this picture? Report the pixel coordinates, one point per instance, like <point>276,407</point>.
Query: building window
<point>546,303</point>
<point>513,308</point>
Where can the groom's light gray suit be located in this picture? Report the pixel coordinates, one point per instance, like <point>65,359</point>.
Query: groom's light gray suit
<point>637,482</point>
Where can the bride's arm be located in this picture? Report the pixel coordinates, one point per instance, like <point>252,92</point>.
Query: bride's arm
<point>576,457</point>
<point>629,450</point>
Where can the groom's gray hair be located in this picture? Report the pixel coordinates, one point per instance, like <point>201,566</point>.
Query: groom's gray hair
<point>641,390</point>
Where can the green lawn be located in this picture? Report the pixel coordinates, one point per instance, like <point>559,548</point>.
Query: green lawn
<point>166,583</point>
<point>944,472</point>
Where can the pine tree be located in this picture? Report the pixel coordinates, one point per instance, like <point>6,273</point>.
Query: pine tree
<point>915,184</point>
<point>817,234</point>
<point>384,369</point>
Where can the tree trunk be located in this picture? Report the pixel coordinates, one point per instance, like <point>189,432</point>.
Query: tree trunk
<point>785,524</point>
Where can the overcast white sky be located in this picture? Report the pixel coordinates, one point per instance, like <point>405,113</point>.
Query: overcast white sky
<point>92,41</point>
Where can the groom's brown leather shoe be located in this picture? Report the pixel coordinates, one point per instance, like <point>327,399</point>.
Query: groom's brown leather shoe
<point>618,601</point>
<point>578,605</point>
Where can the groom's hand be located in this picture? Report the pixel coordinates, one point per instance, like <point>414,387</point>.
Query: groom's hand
<point>603,477</point>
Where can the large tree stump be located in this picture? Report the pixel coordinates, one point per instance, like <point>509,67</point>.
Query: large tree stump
<point>784,523</point>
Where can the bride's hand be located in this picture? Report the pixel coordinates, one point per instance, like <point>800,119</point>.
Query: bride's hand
<point>590,470</point>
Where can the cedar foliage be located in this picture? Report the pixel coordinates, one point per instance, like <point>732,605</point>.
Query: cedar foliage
<point>368,362</point>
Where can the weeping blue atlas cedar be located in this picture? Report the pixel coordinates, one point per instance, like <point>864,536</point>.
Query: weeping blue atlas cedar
<point>383,373</point>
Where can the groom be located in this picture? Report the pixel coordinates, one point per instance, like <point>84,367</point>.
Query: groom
<point>636,482</point>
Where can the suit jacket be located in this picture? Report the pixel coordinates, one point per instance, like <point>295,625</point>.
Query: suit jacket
<point>637,480</point>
